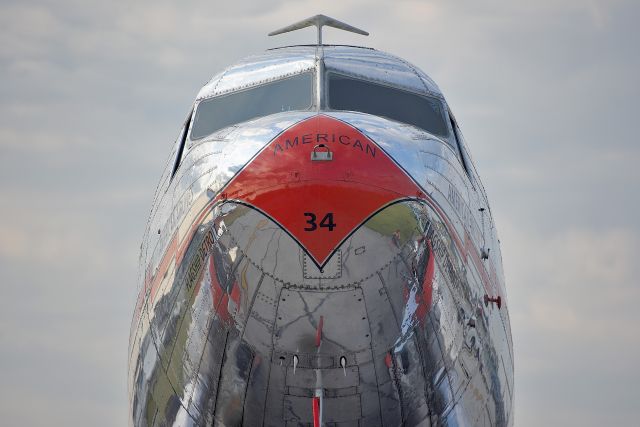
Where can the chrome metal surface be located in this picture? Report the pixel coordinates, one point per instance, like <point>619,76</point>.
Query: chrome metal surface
<point>319,21</point>
<point>241,321</point>
<point>321,153</point>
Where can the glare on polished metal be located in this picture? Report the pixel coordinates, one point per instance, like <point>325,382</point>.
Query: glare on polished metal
<point>310,266</point>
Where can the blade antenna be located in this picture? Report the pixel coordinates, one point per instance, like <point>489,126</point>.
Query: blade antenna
<point>319,21</point>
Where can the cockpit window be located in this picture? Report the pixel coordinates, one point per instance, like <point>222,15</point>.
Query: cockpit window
<point>293,93</point>
<point>351,94</point>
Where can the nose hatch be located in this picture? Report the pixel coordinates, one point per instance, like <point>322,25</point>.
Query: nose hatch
<point>324,380</point>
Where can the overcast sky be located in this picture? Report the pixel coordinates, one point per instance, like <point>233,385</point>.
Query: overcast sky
<point>92,95</point>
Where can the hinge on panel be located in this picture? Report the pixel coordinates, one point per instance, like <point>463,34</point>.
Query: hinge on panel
<point>317,155</point>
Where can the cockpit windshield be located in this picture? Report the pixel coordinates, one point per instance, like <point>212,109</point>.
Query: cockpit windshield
<point>293,93</point>
<point>425,112</point>
<point>344,93</point>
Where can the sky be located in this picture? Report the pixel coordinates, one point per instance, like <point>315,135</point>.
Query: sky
<point>93,93</point>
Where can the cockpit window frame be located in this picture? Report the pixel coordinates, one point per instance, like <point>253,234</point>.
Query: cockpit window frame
<point>312,105</point>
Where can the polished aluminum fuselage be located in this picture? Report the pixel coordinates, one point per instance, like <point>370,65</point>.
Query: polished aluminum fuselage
<point>236,322</point>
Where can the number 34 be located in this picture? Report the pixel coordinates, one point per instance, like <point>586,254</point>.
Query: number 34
<point>327,221</point>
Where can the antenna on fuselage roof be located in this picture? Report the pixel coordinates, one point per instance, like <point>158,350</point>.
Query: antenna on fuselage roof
<point>319,21</point>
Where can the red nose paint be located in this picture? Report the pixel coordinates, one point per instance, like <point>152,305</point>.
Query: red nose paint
<point>424,298</point>
<point>387,360</point>
<point>316,412</point>
<point>320,203</point>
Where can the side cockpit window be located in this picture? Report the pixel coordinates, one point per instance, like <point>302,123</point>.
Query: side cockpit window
<point>181,141</point>
<point>462,154</point>
<point>290,94</point>
<point>425,112</point>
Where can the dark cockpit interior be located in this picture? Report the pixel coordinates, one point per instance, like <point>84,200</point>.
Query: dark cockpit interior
<point>350,94</point>
<point>289,94</point>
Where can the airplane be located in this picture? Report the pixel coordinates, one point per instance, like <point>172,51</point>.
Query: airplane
<point>321,252</point>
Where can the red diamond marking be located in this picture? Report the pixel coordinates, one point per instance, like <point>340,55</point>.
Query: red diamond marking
<point>284,183</point>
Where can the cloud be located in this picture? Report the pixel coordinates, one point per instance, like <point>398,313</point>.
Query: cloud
<point>572,298</point>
